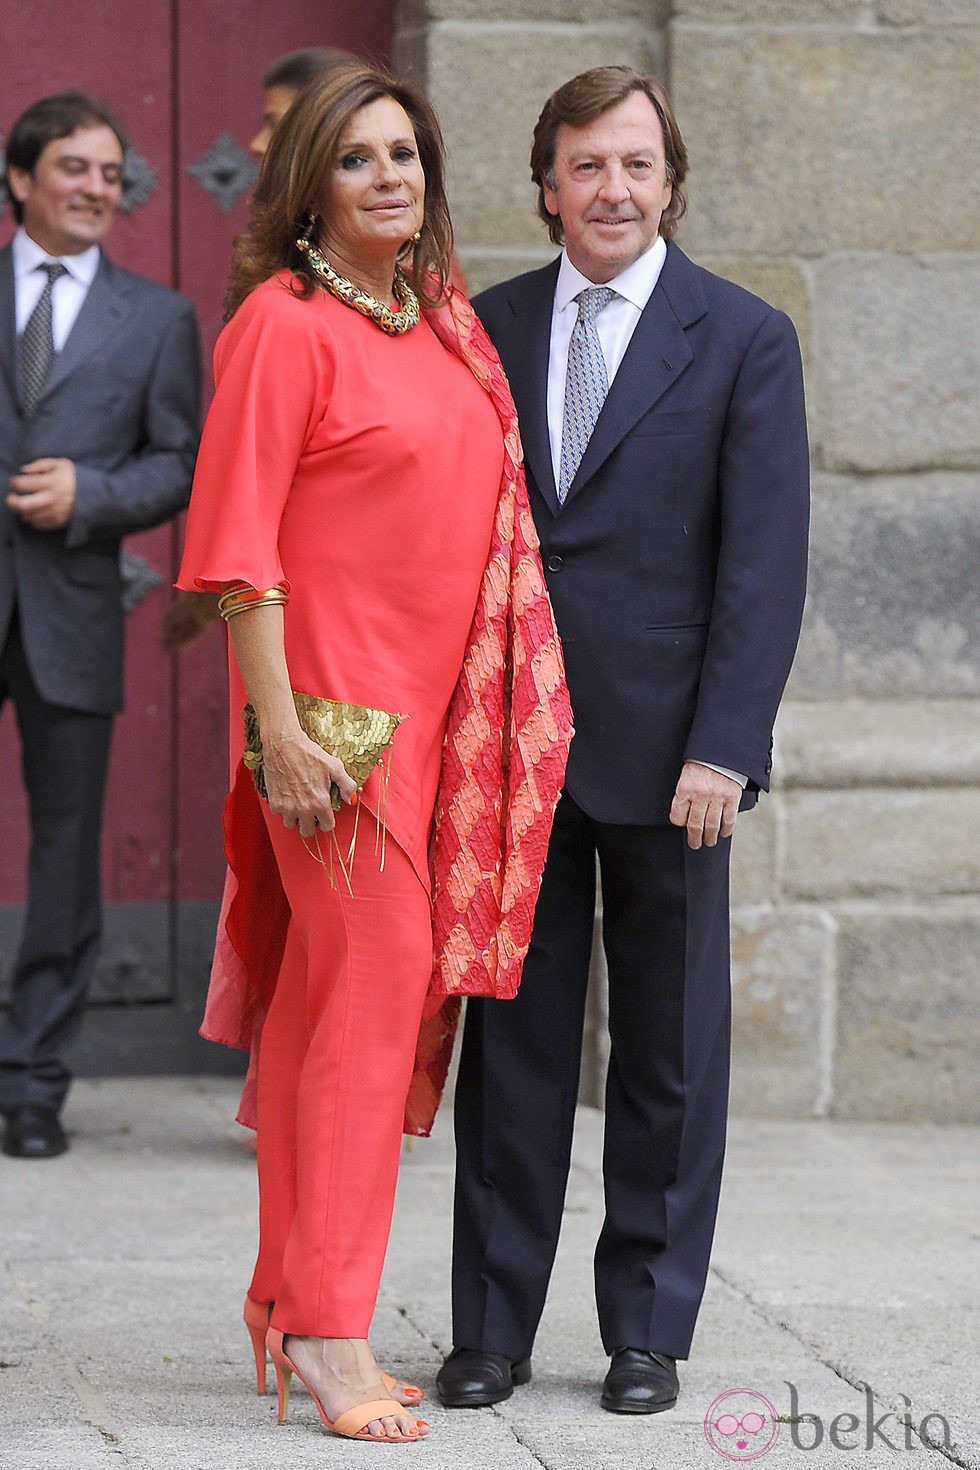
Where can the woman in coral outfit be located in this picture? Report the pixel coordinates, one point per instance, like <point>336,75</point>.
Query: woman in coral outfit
<point>359,506</point>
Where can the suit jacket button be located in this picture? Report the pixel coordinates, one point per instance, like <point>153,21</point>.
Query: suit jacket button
<point>555,563</point>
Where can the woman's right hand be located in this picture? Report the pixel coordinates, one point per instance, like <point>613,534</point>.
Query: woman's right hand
<point>298,776</point>
<point>297,772</point>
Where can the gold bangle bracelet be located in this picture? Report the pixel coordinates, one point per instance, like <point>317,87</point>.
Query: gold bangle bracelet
<point>232,612</point>
<point>240,597</point>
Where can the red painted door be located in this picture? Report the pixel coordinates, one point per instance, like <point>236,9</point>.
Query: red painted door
<point>185,78</point>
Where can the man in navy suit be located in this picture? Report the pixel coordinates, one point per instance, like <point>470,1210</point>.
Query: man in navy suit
<point>662,417</point>
<point>99,388</point>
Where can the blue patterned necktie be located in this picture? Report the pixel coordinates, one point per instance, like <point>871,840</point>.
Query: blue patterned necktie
<point>37,342</point>
<point>586,384</point>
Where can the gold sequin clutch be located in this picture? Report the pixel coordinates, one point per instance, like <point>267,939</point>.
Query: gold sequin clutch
<point>356,735</point>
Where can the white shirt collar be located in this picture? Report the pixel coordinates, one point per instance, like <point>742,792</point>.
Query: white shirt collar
<point>635,284</point>
<point>27,255</point>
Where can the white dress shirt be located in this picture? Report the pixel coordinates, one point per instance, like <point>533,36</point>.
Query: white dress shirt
<point>69,291</point>
<point>615,325</point>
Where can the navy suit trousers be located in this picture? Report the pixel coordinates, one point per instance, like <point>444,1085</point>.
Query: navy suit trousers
<point>666,937</point>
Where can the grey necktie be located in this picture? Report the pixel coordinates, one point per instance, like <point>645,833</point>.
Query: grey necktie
<point>37,342</point>
<point>586,384</point>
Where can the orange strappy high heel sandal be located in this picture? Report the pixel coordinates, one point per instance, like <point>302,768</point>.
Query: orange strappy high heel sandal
<point>256,1317</point>
<point>352,1423</point>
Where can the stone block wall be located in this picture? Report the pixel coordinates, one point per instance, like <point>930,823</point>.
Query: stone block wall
<point>833,154</point>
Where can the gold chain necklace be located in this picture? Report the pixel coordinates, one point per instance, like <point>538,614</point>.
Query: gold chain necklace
<point>392,322</point>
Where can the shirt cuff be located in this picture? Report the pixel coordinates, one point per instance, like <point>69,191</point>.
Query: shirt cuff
<point>743,781</point>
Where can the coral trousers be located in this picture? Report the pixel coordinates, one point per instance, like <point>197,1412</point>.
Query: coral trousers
<point>336,1059</point>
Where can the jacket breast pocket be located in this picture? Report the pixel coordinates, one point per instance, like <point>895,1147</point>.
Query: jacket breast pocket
<point>685,630</point>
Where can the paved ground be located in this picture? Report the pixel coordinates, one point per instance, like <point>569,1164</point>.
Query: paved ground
<point>846,1254</point>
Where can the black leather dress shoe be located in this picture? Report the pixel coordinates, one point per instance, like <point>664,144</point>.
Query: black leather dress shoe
<point>639,1382</point>
<point>469,1379</point>
<point>33,1132</point>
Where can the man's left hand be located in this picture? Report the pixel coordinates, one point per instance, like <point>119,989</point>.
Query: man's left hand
<point>43,493</point>
<point>706,803</point>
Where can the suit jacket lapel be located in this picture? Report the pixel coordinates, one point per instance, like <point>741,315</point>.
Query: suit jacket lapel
<point>8,322</point>
<point>527,373</point>
<point>103,309</point>
<point>658,353</point>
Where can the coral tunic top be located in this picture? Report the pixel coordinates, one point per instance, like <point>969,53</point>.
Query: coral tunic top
<point>362,469</point>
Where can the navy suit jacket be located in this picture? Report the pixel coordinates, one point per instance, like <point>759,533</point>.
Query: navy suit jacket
<point>677,564</point>
<point>122,402</point>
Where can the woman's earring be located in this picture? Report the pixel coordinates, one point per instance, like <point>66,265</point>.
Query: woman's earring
<point>310,224</point>
<point>409,245</point>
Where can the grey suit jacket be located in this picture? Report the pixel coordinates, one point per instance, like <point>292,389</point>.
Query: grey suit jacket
<point>122,402</point>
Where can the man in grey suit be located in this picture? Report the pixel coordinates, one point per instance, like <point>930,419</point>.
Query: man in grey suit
<point>99,418</point>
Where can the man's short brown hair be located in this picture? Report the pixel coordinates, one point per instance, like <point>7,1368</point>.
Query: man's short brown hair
<point>47,122</point>
<point>582,100</point>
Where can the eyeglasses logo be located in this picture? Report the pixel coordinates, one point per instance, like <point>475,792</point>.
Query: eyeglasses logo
<point>741,1424</point>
